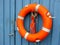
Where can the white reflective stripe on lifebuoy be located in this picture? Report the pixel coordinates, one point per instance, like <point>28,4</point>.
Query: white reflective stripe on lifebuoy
<point>37,6</point>
<point>26,5</point>
<point>20,17</point>
<point>50,17</point>
<point>26,35</point>
<point>45,29</point>
<point>48,13</point>
<point>37,40</point>
<point>17,28</point>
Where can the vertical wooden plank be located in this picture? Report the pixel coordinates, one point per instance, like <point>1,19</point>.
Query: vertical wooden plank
<point>57,0</point>
<point>9,18</point>
<point>35,1</point>
<point>59,40</point>
<point>39,20</point>
<point>39,25</point>
<point>12,20</point>
<point>46,3</point>
<point>1,23</point>
<point>26,2</point>
<point>41,2</point>
<point>56,25</point>
<point>52,3</point>
<point>18,8</point>
<point>6,21</point>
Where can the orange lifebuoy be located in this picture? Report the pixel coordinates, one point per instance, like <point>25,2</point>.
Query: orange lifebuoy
<point>47,22</point>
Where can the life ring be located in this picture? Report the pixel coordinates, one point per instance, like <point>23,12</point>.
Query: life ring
<point>47,22</point>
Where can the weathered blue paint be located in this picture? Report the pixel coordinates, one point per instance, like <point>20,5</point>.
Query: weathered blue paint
<point>9,10</point>
<point>1,23</point>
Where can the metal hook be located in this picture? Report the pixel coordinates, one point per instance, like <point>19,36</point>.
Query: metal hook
<point>11,34</point>
<point>34,14</point>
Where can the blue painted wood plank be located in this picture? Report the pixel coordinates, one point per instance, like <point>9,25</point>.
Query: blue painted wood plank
<point>35,1</point>
<point>12,20</point>
<point>57,0</point>
<point>18,8</point>
<point>56,24</point>
<point>41,1</point>
<point>52,2</point>
<point>46,3</point>
<point>6,22</point>
<point>1,23</point>
<point>39,24</point>
<point>9,9</point>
